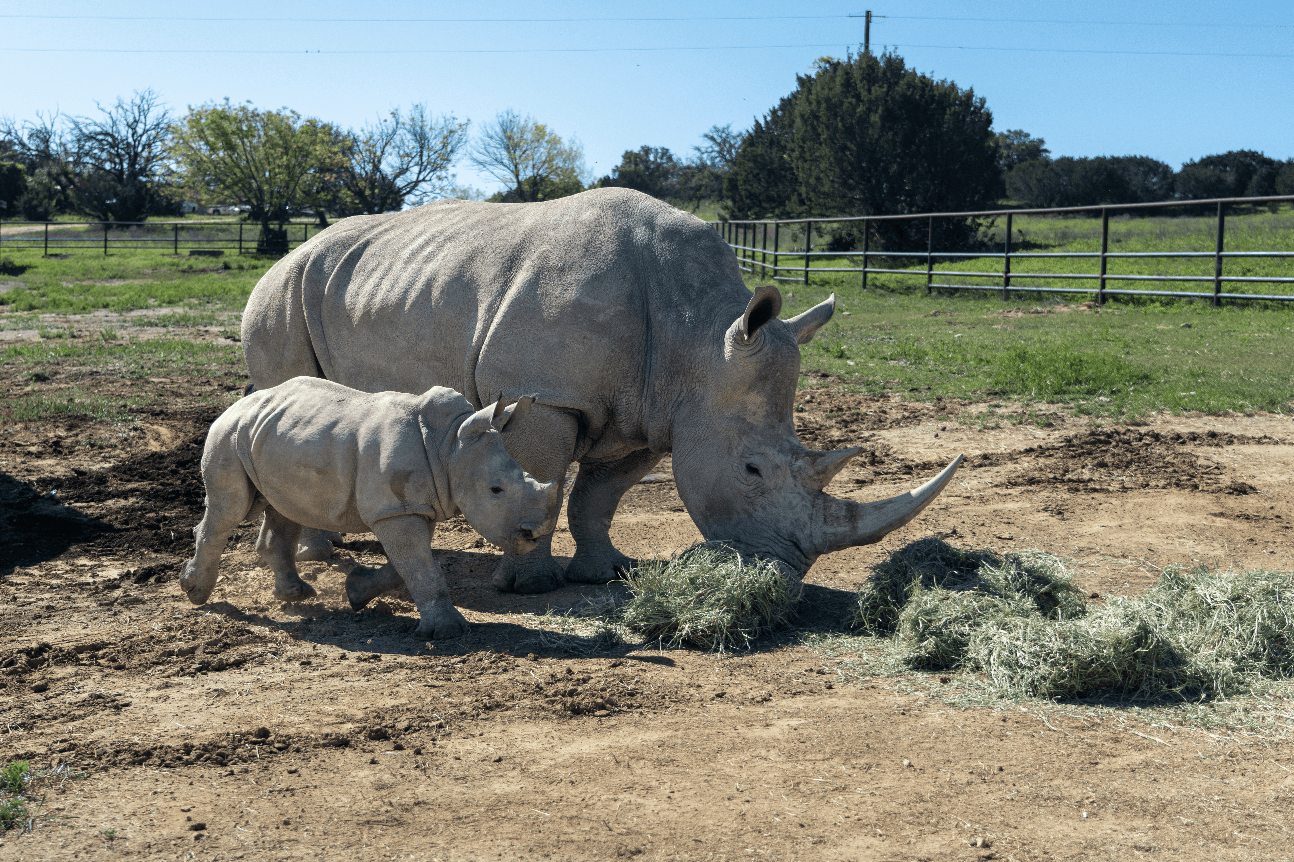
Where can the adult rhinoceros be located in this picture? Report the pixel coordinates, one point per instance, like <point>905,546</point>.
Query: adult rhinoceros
<point>629,320</point>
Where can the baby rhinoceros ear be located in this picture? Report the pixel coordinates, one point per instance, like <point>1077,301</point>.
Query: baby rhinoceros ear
<point>496,417</point>
<point>503,415</point>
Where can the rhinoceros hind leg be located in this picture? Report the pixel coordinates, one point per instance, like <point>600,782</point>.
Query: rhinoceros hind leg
<point>535,572</point>
<point>315,545</point>
<point>593,503</point>
<point>231,498</point>
<point>276,543</point>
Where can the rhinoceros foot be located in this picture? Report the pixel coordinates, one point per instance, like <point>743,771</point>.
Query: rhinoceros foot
<point>528,573</point>
<point>442,620</point>
<point>364,584</point>
<point>192,583</point>
<point>598,567</point>
<point>287,590</point>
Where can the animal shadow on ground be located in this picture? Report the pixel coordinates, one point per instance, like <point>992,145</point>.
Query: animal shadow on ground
<point>36,527</point>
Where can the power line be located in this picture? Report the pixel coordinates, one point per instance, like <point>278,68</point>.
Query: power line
<point>424,20</point>
<point>653,49</point>
<point>1212,25</point>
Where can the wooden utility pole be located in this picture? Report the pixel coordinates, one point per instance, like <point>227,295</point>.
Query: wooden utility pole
<point>867,33</point>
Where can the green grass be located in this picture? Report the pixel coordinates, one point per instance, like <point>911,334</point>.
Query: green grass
<point>207,288</point>
<point>14,810</point>
<point>1121,362</point>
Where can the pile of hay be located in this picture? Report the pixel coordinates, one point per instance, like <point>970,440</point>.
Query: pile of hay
<point>708,597</point>
<point>1020,620</point>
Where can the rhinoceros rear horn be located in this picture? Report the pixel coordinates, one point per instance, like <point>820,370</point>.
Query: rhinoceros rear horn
<point>847,523</point>
<point>821,467</point>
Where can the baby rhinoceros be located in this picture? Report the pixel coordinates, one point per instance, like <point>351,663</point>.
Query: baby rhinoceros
<point>315,453</point>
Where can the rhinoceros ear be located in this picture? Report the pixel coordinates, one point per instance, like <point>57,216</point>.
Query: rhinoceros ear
<point>504,415</point>
<point>806,325</point>
<point>764,306</point>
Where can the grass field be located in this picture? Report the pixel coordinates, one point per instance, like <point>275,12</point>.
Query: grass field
<point>1126,360</point>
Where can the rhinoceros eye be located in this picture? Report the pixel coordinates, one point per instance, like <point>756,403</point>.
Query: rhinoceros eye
<point>753,470</point>
<point>496,490</point>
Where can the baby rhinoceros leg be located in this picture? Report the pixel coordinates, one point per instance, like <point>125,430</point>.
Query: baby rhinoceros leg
<point>407,542</point>
<point>277,546</point>
<point>231,499</point>
<point>364,584</point>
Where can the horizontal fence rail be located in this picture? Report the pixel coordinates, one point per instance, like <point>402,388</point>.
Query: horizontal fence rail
<point>178,237</point>
<point>790,260</point>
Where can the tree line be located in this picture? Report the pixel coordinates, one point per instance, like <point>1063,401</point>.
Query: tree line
<point>863,135</point>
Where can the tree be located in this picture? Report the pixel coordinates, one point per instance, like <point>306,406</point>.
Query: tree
<point>720,147</point>
<point>533,161</point>
<point>44,148</point>
<point>275,162</point>
<point>1016,146</point>
<point>762,182</point>
<point>1076,182</point>
<point>868,136</point>
<point>123,158</point>
<point>1234,174</point>
<point>651,170</point>
<point>401,159</point>
<point>1284,182</point>
<point>13,185</point>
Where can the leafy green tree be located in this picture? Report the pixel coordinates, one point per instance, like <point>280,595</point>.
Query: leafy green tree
<point>276,162</point>
<point>1284,182</point>
<point>651,170</point>
<point>762,181</point>
<point>44,147</point>
<point>1016,146</point>
<point>1234,174</point>
<point>871,136</point>
<point>13,185</point>
<point>532,160</point>
<point>1075,182</point>
<point>124,158</point>
<point>402,159</point>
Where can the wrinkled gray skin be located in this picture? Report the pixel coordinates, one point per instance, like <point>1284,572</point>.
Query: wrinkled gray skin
<point>313,452</point>
<point>629,320</point>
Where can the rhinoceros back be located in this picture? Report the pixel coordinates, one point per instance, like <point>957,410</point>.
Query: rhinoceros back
<point>567,299</point>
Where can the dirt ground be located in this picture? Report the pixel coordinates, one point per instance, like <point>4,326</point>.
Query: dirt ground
<point>252,729</point>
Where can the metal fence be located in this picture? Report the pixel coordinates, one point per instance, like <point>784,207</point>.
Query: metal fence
<point>175,236</point>
<point>749,239</point>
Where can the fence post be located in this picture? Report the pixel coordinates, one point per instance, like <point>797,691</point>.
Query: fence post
<point>776,229</point>
<point>1105,248</point>
<point>46,239</point>
<point>808,246</point>
<point>930,255</point>
<point>240,237</point>
<point>105,239</point>
<point>1217,257</point>
<point>176,240</point>
<point>1006,263</point>
<point>763,254</point>
<point>866,239</point>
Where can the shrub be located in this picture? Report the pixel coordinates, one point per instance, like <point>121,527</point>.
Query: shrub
<point>709,597</point>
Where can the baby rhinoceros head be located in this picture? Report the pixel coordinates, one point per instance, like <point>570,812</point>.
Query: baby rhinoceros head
<point>501,501</point>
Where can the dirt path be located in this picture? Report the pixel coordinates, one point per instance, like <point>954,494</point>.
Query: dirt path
<point>295,731</point>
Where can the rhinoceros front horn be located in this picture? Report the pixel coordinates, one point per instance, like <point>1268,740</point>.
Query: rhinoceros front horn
<point>846,523</point>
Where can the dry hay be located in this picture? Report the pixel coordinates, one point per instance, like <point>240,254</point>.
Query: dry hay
<point>709,597</point>
<point>1019,621</point>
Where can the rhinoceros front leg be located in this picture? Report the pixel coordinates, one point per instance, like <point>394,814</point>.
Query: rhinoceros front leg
<point>544,444</point>
<point>407,542</point>
<point>594,499</point>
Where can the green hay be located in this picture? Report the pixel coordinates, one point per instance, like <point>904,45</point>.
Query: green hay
<point>1020,622</point>
<point>707,597</point>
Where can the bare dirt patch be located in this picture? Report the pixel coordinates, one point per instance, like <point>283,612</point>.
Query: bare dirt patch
<point>285,730</point>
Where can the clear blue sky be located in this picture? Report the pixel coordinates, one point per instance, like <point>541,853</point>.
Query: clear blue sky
<point>1174,81</point>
